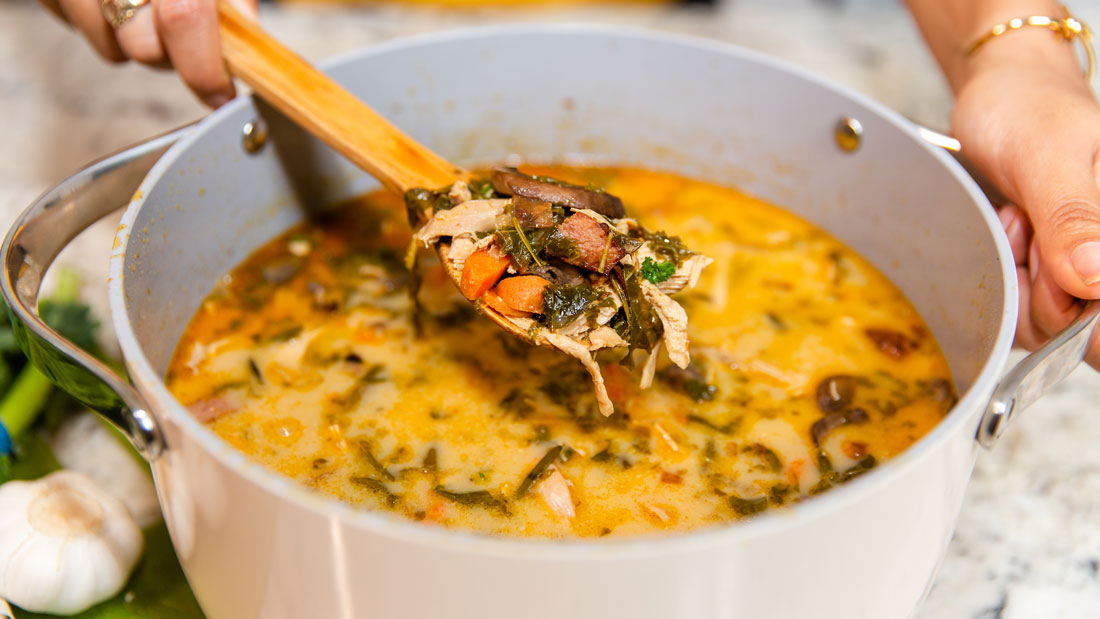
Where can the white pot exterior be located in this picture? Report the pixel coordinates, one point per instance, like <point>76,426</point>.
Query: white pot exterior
<point>254,544</point>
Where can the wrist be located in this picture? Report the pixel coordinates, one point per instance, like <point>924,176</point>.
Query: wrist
<point>1022,49</point>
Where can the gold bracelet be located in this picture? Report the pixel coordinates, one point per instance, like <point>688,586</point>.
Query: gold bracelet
<point>1069,28</point>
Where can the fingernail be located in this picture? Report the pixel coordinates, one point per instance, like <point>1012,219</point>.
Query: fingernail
<point>1012,230</point>
<point>1086,261</point>
<point>218,100</point>
<point>1007,217</point>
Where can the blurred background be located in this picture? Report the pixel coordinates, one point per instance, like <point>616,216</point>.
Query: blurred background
<point>1027,543</point>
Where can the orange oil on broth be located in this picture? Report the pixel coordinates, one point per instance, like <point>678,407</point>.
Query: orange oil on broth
<point>306,359</point>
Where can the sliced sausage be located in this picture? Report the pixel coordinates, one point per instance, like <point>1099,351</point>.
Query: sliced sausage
<point>584,242</point>
<point>892,343</point>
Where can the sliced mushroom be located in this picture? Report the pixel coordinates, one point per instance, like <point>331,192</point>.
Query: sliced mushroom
<point>832,421</point>
<point>559,272</point>
<point>532,213</point>
<point>836,392</point>
<point>511,181</point>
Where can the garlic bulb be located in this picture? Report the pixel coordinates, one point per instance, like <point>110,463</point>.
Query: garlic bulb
<point>83,443</point>
<point>65,544</point>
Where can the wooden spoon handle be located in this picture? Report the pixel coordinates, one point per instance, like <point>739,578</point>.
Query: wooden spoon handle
<point>325,109</point>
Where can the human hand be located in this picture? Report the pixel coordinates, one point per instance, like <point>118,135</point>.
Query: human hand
<point>181,34</point>
<point>1027,118</point>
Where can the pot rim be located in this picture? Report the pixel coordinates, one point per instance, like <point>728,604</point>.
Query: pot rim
<point>165,407</point>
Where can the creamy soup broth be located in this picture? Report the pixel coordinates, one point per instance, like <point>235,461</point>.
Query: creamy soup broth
<point>808,369</point>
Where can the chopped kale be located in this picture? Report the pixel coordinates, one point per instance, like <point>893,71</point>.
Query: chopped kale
<point>562,304</point>
<point>748,507</point>
<point>378,488</point>
<point>771,460</point>
<point>560,245</point>
<point>726,428</point>
<point>517,402</point>
<point>431,461</point>
<point>373,376</point>
<point>523,246</point>
<point>779,493</point>
<point>481,189</point>
<point>419,201</point>
<point>565,385</point>
<point>657,272</point>
<point>542,433</point>
<point>831,477</point>
<point>642,328</point>
<point>690,381</point>
<point>669,248</point>
<point>538,470</point>
<point>368,455</point>
<point>282,332</point>
<point>477,498</point>
<point>527,246</point>
<point>255,370</point>
<point>604,455</point>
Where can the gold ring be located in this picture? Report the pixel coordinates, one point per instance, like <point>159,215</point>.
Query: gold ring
<point>118,12</point>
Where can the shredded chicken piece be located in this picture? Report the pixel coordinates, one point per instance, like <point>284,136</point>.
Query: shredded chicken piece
<point>580,325</point>
<point>468,217</point>
<point>604,337</point>
<point>674,319</point>
<point>650,367</point>
<point>464,245</point>
<point>210,409</point>
<point>687,275</point>
<point>554,489</point>
<point>460,192</point>
<point>577,350</point>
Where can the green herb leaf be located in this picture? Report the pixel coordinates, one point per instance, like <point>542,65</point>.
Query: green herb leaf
<point>657,272</point>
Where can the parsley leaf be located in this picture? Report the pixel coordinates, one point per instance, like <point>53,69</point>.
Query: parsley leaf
<point>657,272</point>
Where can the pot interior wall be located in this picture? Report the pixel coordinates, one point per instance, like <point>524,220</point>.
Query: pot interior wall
<point>695,108</point>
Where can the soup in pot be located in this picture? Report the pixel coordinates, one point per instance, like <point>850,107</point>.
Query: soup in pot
<point>808,368</point>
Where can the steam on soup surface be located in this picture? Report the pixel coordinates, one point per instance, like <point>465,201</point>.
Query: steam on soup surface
<point>809,368</point>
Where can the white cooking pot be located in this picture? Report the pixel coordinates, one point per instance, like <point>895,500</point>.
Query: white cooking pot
<point>255,544</point>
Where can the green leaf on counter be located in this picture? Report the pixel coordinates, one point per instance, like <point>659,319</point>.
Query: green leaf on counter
<point>157,589</point>
<point>33,459</point>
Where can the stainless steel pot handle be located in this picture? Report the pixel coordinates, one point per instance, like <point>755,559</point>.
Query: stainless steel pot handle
<point>32,244</point>
<point>1040,371</point>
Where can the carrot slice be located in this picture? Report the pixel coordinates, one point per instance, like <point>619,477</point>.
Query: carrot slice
<point>493,300</point>
<point>523,293</point>
<point>482,269</point>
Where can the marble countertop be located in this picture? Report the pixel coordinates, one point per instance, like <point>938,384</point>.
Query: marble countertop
<point>1028,539</point>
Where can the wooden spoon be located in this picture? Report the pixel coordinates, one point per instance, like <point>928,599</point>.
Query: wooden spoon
<point>325,109</point>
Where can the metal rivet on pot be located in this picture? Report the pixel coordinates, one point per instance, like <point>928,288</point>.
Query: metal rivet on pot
<point>254,136</point>
<point>849,134</point>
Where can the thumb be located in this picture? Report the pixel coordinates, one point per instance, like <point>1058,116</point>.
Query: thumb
<point>1063,201</point>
